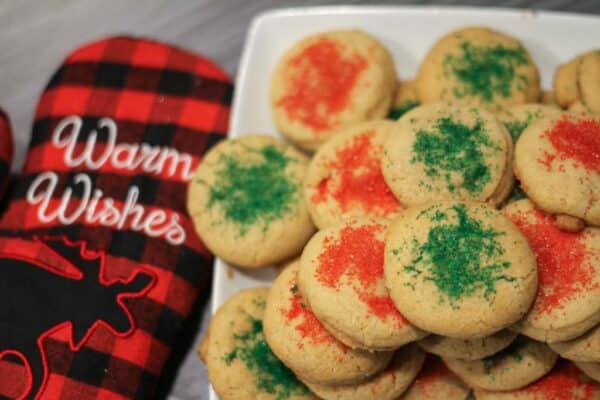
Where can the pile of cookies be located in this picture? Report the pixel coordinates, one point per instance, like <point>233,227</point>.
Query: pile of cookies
<point>451,248</point>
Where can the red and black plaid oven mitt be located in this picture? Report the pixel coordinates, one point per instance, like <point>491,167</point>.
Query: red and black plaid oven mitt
<point>6,150</point>
<point>99,263</point>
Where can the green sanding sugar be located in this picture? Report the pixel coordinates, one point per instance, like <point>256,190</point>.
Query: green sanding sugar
<point>251,192</point>
<point>511,352</point>
<point>454,148</point>
<point>484,71</point>
<point>397,112</point>
<point>461,257</point>
<point>272,376</point>
<point>517,127</point>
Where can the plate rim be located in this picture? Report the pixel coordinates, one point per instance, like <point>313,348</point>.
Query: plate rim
<point>264,17</point>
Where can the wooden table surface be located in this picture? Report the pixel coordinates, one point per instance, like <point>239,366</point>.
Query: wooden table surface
<point>36,35</point>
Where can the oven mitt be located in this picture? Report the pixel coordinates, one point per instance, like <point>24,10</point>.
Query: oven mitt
<point>6,150</point>
<point>99,262</point>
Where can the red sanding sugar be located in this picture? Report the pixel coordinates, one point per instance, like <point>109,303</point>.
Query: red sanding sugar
<point>321,79</point>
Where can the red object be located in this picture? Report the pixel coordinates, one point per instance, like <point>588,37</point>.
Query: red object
<point>6,150</point>
<point>117,135</point>
<point>361,182</point>
<point>358,254</point>
<point>306,323</point>
<point>563,382</point>
<point>563,267</point>
<point>575,139</point>
<point>321,81</point>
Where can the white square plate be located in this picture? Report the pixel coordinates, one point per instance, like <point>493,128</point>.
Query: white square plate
<point>408,32</point>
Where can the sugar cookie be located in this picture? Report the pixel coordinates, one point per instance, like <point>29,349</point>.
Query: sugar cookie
<point>584,348</point>
<point>406,98</point>
<point>435,382</point>
<point>479,67</point>
<point>557,161</point>
<point>305,346</point>
<point>591,369</point>
<point>568,300</point>
<point>341,278</point>
<point>439,152</point>
<point>566,89</point>
<point>475,349</point>
<point>239,362</point>
<point>344,178</point>
<point>588,80</point>
<point>461,270</point>
<point>520,364</point>
<point>565,381</point>
<point>328,81</point>
<point>387,385</point>
<point>246,201</point>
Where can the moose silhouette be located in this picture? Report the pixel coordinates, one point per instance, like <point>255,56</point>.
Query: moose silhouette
<point>39,299</point>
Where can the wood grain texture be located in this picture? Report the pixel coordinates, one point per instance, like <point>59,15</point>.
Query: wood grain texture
<point>36,35</point>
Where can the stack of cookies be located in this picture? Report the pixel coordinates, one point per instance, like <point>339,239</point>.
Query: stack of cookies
<point>451,248</point>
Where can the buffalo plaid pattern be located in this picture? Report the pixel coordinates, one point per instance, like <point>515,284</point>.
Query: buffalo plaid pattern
<point>158,95</point>
<point>6,150</point>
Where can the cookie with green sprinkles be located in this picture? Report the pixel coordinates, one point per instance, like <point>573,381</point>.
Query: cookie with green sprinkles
<point>475,349</point>
<point>406,98</point>
<point>301,341</point>
<point>477,66</point>
<point>440,152</point>
<point>246,201</point>
<point>518,365</point>
<point>240,364</point>
<point>386,385</point>
<point>460,270</point>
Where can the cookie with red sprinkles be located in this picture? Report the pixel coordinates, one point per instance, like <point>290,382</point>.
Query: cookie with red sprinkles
<point>564,382</point>
<point>557,161</point>
<point>568,299</point>
<point>344,178</point>
<point>341,278</point>
<point>387,385</point>
<point>328,81</point>
<point>303,344</point>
